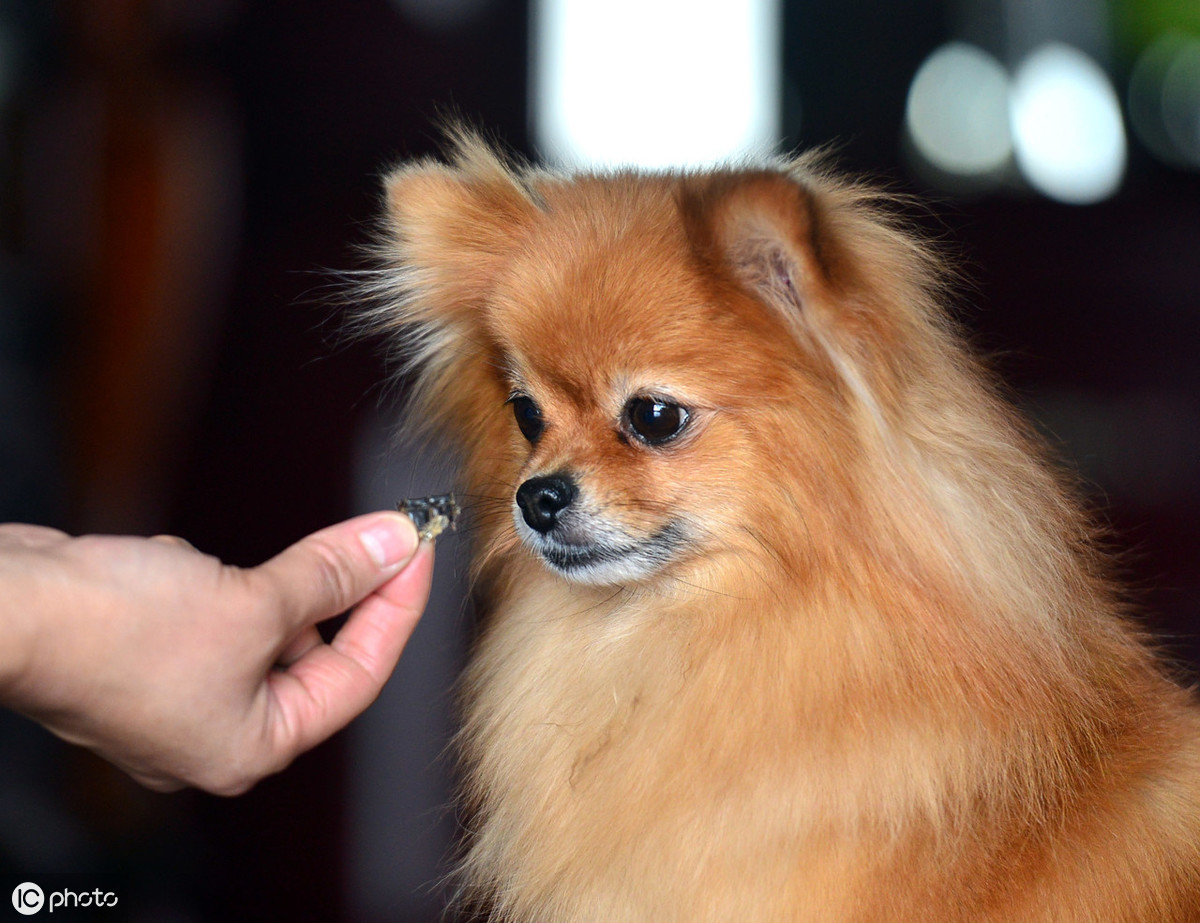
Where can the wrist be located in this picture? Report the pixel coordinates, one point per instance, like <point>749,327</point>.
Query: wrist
<point>18,621</point>
<point>33,597</point>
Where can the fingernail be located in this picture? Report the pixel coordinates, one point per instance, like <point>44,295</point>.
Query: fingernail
<point>389,541</point>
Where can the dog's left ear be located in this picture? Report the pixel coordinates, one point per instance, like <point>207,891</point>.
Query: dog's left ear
<point>856,290</point>
<point>768,233</point>
<point>762,228</point>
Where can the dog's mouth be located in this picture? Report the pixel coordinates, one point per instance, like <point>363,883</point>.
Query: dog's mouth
<point>601,559</point>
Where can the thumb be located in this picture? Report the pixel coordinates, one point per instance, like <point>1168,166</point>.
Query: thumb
<point>330,571</point>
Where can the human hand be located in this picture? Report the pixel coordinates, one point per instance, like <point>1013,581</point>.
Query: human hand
<point>182,670</point>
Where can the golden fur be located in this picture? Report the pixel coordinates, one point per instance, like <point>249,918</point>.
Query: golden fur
<point>883,675</point>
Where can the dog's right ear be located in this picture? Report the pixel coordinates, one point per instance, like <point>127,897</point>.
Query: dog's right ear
<point>448,230</point>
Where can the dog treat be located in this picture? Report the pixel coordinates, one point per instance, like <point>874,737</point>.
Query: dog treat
<point>431,515</point>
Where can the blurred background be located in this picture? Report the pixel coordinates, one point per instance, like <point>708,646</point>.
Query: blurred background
<point>180,181</point>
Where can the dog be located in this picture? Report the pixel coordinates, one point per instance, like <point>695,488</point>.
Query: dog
<point>787,616</point>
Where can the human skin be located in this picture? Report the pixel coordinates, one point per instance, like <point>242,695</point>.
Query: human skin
<point>185,671</point>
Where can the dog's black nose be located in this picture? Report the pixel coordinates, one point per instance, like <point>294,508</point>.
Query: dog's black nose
<point>542,499</point>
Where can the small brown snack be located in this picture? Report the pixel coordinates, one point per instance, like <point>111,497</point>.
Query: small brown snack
<point>431,515</point>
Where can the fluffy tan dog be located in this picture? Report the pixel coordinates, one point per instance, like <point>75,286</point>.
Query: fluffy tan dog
<point>787,616</point>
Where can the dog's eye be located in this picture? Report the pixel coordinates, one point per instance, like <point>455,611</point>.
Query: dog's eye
<point>528,416</point>
<point>655,422</point>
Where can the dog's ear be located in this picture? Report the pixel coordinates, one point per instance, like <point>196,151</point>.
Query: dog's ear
<point>449,228</point>
<point>826,257</point>
<point>763,229</point>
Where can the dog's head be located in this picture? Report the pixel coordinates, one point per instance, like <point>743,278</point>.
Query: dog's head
<point>645,370</point>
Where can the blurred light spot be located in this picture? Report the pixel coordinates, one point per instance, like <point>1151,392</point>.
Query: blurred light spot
<point>957,113</point>
<point>1146,96</point>
<point>1068,136</point>
<point>655,83</point>
<point>1181,101</point>
<point>1164,99</point>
